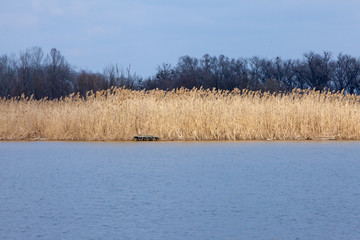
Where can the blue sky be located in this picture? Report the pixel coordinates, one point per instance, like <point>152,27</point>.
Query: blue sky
<point>94,34</point>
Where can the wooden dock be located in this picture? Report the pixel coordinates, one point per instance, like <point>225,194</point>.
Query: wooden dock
<point>146,138</point>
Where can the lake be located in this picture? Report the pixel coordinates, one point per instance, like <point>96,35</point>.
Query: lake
<point>156,190</point>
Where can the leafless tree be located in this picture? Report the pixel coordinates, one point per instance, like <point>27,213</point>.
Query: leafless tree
<point>187,72</point>
<point>317,70</point>
<point>165,76</point>
<point>8,75</point>
<point>87,81</point>
<point>110,75</point>
<point>347,73</point>
<point>59,74</point>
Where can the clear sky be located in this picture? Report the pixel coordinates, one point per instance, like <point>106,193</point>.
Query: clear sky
<point>146,33</point>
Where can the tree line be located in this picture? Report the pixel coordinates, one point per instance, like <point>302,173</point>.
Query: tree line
<point>319,71</point>
<point>32,73</point>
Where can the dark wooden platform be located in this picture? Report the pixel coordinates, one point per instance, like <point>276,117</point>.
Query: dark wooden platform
<point>146,138</point>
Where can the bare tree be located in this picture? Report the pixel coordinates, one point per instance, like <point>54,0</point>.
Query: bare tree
<point>317,70</point>
<point>87,81</point>
<point>110,75</point>
<point>208,68</point>
<point>38,72</point>
<point>165,76</point>
<point>8,75</point>
<point>187,72</point>
<point>256,73</point>
<point>347,73</point>
<point>59,73</point>
<point>26,82</point>
<point>240,73</point>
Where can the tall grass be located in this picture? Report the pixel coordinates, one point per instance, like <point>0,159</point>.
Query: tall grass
<point>120,114</point>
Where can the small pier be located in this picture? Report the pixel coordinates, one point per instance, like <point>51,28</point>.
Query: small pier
<point>146,138</point>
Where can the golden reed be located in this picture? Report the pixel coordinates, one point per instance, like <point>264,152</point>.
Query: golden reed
<point>184,115</point>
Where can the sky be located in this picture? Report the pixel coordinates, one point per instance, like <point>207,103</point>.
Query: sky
<point>143,34</point>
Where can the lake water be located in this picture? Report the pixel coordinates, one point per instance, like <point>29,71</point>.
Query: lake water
<point>245,190</point>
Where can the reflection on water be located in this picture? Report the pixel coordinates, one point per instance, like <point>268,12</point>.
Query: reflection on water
<point>252,190</point>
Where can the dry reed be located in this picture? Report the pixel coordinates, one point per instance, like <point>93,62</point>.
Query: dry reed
<point>184,115</point>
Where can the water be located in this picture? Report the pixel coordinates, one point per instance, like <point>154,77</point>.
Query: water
<point>252,190</point>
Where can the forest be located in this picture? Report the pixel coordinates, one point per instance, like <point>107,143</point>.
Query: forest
<point>40,75</point>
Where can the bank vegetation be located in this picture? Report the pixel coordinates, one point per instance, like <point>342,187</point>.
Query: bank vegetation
<point>118,114</point>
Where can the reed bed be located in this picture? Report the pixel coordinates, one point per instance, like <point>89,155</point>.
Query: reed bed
<point>183,115</point>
